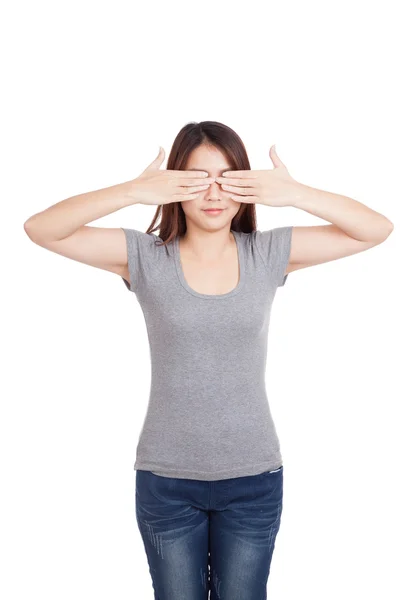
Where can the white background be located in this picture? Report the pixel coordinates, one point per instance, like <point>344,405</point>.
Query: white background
<point>91,91</point>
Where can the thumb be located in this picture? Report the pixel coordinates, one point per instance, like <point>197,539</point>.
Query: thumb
<point>276,161</point>
<point>157,162</point>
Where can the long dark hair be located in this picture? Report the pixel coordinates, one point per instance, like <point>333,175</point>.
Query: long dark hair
<point>192,135</point>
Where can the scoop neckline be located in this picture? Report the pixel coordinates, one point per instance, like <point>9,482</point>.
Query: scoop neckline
<point>181,276</point>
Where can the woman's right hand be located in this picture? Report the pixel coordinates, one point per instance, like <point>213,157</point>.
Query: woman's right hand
<point>163,186</point>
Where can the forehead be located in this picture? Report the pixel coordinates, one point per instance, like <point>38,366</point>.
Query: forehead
<point>206,158</point>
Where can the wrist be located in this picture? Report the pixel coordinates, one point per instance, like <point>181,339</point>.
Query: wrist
<point>300,194</point>
<point>130,192</point>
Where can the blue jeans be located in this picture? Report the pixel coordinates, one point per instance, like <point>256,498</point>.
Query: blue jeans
<point>216,536</point>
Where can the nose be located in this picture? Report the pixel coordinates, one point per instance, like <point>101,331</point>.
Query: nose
<point>214,191</point>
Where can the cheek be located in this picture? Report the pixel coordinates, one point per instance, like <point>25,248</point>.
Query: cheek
<point>233,207</point>
<point>190,207</point>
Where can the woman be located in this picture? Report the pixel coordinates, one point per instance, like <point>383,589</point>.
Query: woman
<point>209,472</point>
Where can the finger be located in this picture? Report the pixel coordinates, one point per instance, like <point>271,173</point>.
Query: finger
<point>177,173</point>
<point>183,189</point>
<point>180,197</point>
<point>276,161</point>
<point>238,182</point>
<point>248,174</point>
<point>196,181</point>
<point>245,199</point>
<point>245,191</point>
<point>158,161</point>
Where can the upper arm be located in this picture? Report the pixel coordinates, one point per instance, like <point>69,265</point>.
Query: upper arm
<point>273,246</point>
<point>101,247</point>
<point>317,244</point>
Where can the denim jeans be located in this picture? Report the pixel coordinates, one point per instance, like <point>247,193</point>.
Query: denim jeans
<point>209,537</point>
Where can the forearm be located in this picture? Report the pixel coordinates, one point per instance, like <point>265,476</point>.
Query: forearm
<point>353,217</point>
<point>63,218</point>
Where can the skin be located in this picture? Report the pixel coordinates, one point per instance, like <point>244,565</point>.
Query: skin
<point>354,227</point>
<point>208,249</point>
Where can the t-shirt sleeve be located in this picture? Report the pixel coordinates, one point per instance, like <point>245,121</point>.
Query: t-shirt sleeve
<point>140,251</point>
<point>274,246</point>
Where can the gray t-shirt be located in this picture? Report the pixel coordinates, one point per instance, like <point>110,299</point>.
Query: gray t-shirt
<point>208,415</point>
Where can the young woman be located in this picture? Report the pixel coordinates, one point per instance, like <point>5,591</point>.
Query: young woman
<point>209,472</point>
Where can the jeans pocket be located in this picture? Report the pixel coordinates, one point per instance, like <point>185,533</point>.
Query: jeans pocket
<point>275,470</point>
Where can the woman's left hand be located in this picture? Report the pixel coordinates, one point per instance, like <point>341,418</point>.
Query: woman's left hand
<point>270,187</point>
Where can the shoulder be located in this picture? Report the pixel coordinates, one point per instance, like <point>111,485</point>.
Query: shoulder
<point>134,236</point>
<point>140,244</point>
<point>145,255</point>
<point>273,247</point>
<point>271,243</point>
<point>268,242</point>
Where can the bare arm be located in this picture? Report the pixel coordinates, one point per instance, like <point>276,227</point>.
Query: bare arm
<point>317,244</point>
<point>355,228</point>
<point>62,228</point>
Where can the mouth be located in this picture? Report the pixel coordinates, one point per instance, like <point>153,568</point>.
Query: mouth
<point>213,210</point>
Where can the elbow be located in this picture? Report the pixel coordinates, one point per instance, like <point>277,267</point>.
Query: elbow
<point>30,231</point>
<point>384,231</point>
<point>389,229</point>
<point>28,228</point>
